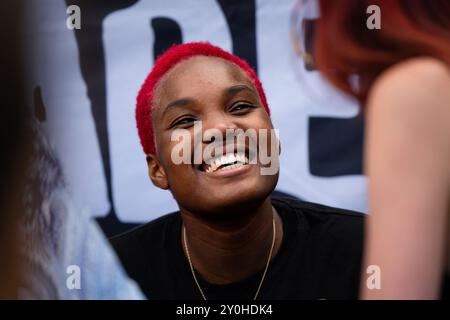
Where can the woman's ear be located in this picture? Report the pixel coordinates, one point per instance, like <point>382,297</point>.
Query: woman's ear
<point>156,172</point>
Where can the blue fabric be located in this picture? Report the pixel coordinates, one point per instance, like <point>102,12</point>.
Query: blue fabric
<point>57,235</point>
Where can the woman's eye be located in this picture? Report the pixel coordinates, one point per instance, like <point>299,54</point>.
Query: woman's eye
<point>184,121</point>
<point>241,107</point>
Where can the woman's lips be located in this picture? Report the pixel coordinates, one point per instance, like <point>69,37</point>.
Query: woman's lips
<point>225,162</point>
<point>229,172</point>
<point>242,155</point>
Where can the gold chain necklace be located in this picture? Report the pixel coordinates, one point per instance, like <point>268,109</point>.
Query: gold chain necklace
<point>265,270</point>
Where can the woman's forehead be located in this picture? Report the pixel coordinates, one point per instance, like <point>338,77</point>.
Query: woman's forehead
<point>198,72</point>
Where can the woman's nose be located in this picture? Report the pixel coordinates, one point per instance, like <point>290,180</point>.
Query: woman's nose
<point>218,124</point>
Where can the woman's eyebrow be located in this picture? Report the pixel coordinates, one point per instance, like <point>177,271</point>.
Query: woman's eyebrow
<point>238,88</point>
<point>183,102</point>
<point>177,103</point>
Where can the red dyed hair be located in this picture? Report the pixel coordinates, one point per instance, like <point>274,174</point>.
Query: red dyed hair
<point>344,46</point>
<point>173,56</point>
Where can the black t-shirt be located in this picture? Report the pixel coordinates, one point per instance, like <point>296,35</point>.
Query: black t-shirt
<point>319,258</point>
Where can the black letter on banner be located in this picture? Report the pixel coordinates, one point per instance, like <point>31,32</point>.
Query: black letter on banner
<point>335,144</point>
<point>167,32</point>
<point>92,65</point>
<point>241,19</point>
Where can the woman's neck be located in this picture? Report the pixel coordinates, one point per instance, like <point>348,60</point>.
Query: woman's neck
<point>228,253</point>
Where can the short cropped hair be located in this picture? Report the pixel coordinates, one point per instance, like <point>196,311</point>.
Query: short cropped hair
<point>164,63</point>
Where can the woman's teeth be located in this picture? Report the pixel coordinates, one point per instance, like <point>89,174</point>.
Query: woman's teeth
<point>226,162</point>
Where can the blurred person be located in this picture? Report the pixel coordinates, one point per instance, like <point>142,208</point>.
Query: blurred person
<point>401,75</point>
<point>44,236</point>
<point>64,254</point>
<point>13,143</point>
<point>230,239</point>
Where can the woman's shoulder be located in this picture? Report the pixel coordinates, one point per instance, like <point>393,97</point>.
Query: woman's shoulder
<point>425,71</point>
<point>416,84</point>
<point>147,234</point>
<point>317,216</point>
<point>416,90</point>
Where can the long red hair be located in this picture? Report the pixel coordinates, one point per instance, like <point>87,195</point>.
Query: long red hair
<point>345,47</point>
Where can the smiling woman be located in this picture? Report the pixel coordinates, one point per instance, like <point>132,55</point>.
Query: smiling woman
<point>230,239</point>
